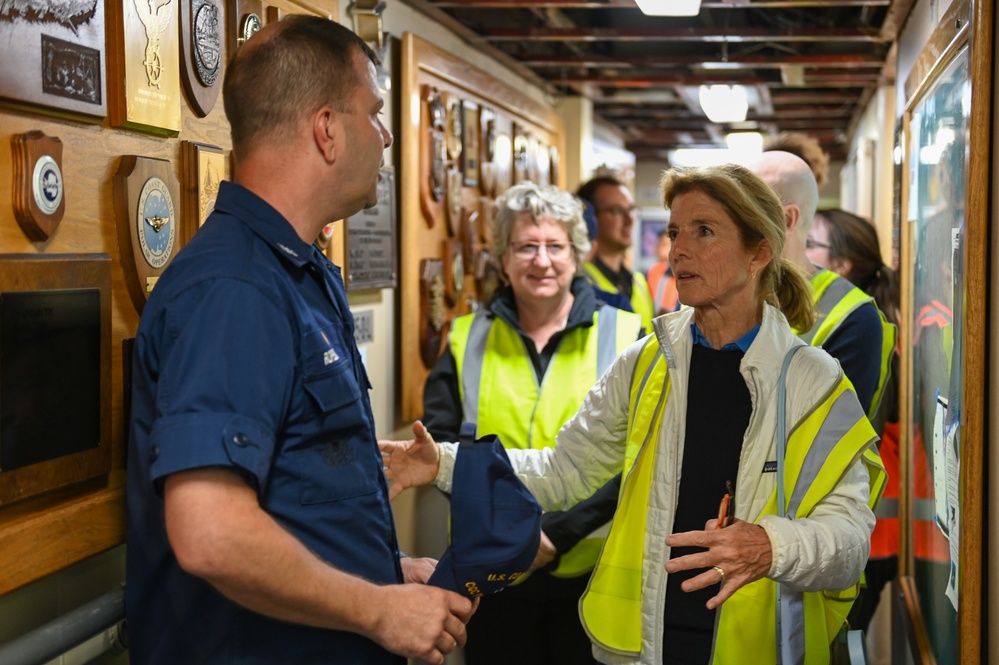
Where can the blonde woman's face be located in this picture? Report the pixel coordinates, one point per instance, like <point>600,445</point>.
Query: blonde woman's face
<point>539,262</point>
<point>711,266</point>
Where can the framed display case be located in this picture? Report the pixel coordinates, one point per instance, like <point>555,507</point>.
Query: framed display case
<point>55,343</point>
<point>944,225</point>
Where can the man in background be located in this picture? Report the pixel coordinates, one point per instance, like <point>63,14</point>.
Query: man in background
<point>259,524</point>
<point>849,325</point>
<point>616,213</point>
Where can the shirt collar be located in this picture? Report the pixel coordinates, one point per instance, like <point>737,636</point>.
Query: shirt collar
<point>265,221</point>
<point>741,344</point>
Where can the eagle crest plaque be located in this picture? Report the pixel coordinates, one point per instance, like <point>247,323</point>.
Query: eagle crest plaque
<point>146,197</point>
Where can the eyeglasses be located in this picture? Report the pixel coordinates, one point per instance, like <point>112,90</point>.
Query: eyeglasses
<point>815,244</point>
<point>527,251</point>
<point>619,211</point>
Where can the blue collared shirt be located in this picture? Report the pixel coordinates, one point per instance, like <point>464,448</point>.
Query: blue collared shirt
<point>245,360</point>
<point>741,344</point>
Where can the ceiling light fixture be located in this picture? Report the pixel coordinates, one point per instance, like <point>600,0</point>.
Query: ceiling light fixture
<point>745,143</point>
<point>723,103</point>
<point>669,7</point>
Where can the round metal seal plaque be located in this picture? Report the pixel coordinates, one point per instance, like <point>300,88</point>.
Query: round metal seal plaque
<point>250,26</point>
<point>155,222</point>
<point>46,184</point>
<point>207,43</point>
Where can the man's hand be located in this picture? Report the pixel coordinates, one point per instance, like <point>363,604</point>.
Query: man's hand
<point>741,550</point>
<point>422,622</point>
<point>410,463</point>
<point>417,571</point>
<point>546,553</point>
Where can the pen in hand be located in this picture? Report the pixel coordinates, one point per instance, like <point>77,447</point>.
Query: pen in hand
<point>725,508</point>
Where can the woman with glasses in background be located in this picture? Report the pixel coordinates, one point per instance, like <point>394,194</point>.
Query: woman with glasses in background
<point>519,368</point>
<point>848,245</point>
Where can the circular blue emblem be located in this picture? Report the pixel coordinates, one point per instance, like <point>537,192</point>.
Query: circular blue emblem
<point>46,185</point>
<point>155,222</point>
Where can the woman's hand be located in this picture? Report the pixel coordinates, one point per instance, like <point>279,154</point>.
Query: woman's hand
<point>410,463</point>
<point>741,550</point>
<point>546,553</point>
<point>417,570</point>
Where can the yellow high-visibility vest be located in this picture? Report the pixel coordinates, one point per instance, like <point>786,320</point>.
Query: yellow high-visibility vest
<point>835,298</point>
<point>830,439</point>
<point>500,392</point>
<point>641,299</point>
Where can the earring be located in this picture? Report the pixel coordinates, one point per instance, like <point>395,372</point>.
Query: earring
<point>753,275</point>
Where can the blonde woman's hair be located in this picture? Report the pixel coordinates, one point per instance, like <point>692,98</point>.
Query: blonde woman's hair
<point>759,215</point>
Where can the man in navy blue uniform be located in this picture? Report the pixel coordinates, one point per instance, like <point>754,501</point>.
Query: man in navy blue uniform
<point>259,524</point>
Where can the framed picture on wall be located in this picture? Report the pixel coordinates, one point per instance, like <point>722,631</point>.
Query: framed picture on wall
<point>649,238</point>
<point>945,218</point>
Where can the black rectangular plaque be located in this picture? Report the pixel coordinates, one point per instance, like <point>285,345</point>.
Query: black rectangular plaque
<point>371,241</point>
<point>50,375</point>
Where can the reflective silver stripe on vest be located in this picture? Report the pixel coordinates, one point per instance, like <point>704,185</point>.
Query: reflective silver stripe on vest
<point>887,508</point>
<point>791,626</point>
<point>830,297</point>
<point>925,510</point>
<point>606,338</point>
<point>471,369</point>
<point>844,414</point>
<point>648,373</point>
<point>659,405</point>
<point>789,612</point>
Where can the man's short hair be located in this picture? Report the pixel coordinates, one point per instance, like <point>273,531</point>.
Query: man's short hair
<point>278,78</point>
<point>588,189</point>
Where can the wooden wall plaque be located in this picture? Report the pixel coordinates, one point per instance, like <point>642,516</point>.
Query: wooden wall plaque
<point>202,51</point>
<point>144,65</point>
<point>470,140</point>
<point>244,18</point>
<point>39,191</point>
<point>54,56</point>
<point>204,171</point>
<point>55,382</point>
<point>433,311</point>
<point>432,289</point>
<point>146,205</point>
<point>433,151</point>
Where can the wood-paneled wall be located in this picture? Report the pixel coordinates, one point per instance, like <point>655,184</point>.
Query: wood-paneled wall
<point>47,533</point>
<point>424,236</point>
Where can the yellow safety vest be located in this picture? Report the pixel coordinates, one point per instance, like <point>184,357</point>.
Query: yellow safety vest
<point>830,440</point>
<point>500,393</point>
<point>835,298</point>
<point>641,299</point>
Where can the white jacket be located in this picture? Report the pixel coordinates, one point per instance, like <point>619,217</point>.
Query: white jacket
<point>827,550</point>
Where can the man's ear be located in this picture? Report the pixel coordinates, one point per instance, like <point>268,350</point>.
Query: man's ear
<point>792,217</point>
<point>325,132</point>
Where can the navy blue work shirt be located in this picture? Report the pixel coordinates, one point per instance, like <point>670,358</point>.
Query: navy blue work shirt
<point>245,359</point>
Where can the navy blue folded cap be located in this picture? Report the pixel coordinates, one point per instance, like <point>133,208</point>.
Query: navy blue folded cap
<point>495,523</point>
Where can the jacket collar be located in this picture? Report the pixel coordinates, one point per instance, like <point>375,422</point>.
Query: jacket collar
<point>265,221</point>
<point>764,356</point>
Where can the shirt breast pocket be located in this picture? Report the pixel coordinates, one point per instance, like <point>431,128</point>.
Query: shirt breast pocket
<point>339,461</point>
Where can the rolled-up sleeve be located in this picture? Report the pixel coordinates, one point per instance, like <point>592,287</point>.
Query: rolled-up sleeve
<point>224,383</point>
